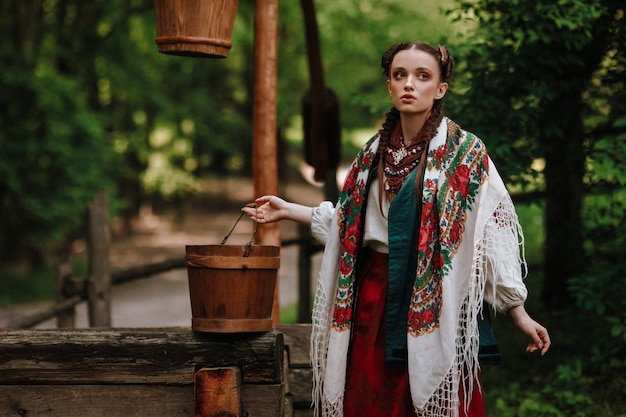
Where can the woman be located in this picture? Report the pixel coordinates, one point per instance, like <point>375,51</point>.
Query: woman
<point>424,231</point>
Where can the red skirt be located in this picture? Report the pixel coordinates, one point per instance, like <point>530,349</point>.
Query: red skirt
<point>372,389</point>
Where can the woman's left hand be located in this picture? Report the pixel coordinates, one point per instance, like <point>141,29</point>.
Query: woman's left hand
<point>539,337</point>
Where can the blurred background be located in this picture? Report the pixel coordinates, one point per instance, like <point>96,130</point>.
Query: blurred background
<point>88,104</point>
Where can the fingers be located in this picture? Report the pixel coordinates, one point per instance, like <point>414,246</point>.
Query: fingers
<point>253,211</point>
<point>545,338</point>
<point>263,199</point>
<point>540,341</point>
<point>261,210</point>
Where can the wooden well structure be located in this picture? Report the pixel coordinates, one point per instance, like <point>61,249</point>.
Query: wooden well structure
<point>174,372</point>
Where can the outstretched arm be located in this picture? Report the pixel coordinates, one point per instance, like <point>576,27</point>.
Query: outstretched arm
<point>539,338</point>
<point>270,209</point>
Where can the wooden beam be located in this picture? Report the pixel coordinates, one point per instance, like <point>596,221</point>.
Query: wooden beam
<point>138,372</point>
<point>134,356</point>
<point>264,161</point>
<point>33,319</point>
<point>96,400</point>
<point>258,400</point>
<point>264,152</point>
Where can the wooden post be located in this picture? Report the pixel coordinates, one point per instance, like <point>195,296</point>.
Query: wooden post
<point>264,155</point>
<point>99,278</point>
<point>217,392</point>
<point>67,318</point>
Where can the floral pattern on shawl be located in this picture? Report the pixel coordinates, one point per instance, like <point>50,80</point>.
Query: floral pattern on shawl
<point>443,222</point>
<point>444,213</point>
<point>350,216</point>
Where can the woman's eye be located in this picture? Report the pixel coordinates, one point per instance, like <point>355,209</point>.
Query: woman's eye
<point>398,75</point>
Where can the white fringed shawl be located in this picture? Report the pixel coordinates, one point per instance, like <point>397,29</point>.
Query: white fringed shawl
<point>482,262</point>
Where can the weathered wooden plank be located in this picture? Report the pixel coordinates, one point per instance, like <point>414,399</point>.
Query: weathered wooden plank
<point>297,341</point>
<point>300,382</point>
<point>261,400</point>
<point>299,375</point>
<point>303,412</point>
<point>126,400</point>
<point>96,400</point>
<point>141,356</point>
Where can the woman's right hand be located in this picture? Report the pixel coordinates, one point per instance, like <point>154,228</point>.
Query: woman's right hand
<point>266,209</point>
<point>271,208</point>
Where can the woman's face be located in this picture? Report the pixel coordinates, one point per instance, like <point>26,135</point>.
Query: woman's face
<point>414,82</point>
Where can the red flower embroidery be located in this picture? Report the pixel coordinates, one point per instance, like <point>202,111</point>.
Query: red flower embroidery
<point>455,232</point>
<point>350,179</point>
<point>438,261</point>
<point>440,153</point>
<point>460,180</point>
<point>429,316</point>
<point>416,320</point>
<point>341,315</point>
<point>350,242</point>
<point>344,268</point>
<point>425,235</point>
<point>428,228</point>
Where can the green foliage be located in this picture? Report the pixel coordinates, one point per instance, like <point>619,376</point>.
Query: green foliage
<point>289,314</point>
<point>20,287</point>
<point>531,218</point>
<point>600,291</point>
<point>87,98</point>
<point>356,33</point>
<point>543,85</point>
<point>54,156</point>
<point>607,156</point>
<point>525,62</point>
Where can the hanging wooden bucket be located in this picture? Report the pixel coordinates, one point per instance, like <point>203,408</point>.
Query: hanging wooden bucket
<point>231,292</point>
<point>197,28</point>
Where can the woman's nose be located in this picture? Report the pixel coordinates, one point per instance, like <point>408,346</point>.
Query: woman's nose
<point>408,85</point>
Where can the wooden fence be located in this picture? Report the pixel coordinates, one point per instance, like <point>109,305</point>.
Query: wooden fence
<point>144,372</point>
<point>95,289</point>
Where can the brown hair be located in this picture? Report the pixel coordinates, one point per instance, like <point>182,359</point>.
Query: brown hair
<point>441,54</point>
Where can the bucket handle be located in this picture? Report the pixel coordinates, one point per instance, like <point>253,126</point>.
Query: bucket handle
<point>246,253</point>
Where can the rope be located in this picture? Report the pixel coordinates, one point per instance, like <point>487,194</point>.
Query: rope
<point>249,244</point>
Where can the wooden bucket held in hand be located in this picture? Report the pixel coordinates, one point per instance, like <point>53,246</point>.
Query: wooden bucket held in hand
<point>232,286</point>
<point>196,28</point>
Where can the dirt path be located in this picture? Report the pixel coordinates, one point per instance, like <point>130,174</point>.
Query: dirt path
<point>163,300</point>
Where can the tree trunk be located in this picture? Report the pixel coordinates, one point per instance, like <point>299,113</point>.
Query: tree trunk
<point>563,141</point>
